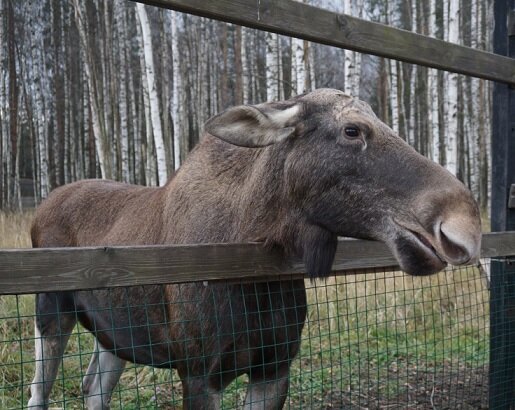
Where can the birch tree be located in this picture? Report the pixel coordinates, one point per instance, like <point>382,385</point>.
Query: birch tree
<point>176,105</point>
<point>298,72</point>
<point>433,91</point>
<point>392,19</point>
<point>352,59</point>
<point>122,86</point>
<point>38,104</point>
<point>272,67</point>
<point>14,200</point>
<point>152,92</point>
<point>245,66</point>
<point>4,107</point>
<point>452,92</point>
<point>412,85</point>
<point>98,124</point>
<point>238,66</point>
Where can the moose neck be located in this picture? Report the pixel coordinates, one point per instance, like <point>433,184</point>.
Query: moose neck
<point>237,194</point>
<point>240,196</point>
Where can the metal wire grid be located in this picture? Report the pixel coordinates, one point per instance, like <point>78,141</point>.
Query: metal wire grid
<point>376,341</point>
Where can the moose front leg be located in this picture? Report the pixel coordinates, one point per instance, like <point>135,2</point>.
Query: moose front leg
<point>51,334</point>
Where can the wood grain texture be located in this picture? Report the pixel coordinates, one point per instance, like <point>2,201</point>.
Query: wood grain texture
<point>57,269</point>
<point>300,20</point>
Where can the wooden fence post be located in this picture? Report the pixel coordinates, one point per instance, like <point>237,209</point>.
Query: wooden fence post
<point>502,292</point>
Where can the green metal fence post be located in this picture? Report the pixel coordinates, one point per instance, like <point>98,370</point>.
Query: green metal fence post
<point>502,295</point>
<point>502,335</point>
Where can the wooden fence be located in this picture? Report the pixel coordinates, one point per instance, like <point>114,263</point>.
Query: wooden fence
<point>59,269</point>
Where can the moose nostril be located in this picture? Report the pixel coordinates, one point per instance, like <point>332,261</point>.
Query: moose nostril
<point>455,245</point>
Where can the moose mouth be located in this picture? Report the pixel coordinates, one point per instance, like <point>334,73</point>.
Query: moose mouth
<point>425,243</point>
<point>416,253</point>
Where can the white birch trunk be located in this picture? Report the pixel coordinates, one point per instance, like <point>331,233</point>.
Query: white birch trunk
<point>106,113</point>
<point>4,124</point>
<point>176,105</point>
<point>392,19</point>
<point>451,151</point>
<point>413,77</point>
<point>203,89</point>
<point>280,84</point>
<point>245,66</point>
<point>293,64</point>
<point>148,131</point>
<point>124,131</point>
<point>352,64</point>
<point>37,92</point>
<point>70,170</point>
<point>473,115</point>
<point>394,96</point>
<point>272,67</point>
<point>312,73</point>
<point>300,64</point>
<point>432,85</point>
<point>4,105</point>
<point>254,87</point>
<point>349,64</point>
<point>86,123</point>
<point>213,78</point>
<point>444,96</point>
<point>136,130</point>
<point>152,92</point>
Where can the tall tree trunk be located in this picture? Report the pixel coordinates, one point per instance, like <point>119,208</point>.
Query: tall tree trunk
<point>452,92</point>
<point>59,94</point>
<point>98,125</point>
<point>298,73</point>
<point>245,66</point>
<point>177,105</point>
<point>411,137</point>
<point>392,19</point>
<point>238,67</point>
<point>37,93</point>
<point>352,58</point>
<point>312,69</point>
<point>13,110</point>
<point>224,80</point>
<point>121,25</point>
<point>272,67</point>
<point>4,121</point>
<point>433,91</point>
<point>147,132</point>
<point>152,92</point>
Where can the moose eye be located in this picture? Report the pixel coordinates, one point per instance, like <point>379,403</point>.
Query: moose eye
<point>352,132</point>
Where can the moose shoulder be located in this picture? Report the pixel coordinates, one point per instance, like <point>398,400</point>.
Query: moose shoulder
<point>294,175</point>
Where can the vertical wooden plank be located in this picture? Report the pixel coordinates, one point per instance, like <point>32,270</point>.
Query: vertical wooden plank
<point>502,293</point>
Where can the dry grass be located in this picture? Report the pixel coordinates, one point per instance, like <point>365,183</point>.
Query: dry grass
<point>369,340</point>
<point>15,229</point>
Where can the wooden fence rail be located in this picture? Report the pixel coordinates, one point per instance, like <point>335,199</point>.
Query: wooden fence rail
<point>300,20</point>
<point>56,269</point>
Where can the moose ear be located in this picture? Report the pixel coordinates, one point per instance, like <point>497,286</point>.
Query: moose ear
<point>253,126</point>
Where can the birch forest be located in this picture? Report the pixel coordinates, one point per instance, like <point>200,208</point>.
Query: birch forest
<point>118,90</point>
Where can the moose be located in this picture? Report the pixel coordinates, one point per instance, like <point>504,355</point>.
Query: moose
<point>294,175</point>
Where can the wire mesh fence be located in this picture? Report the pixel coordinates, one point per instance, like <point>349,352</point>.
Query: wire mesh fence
<point>380,341</point>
